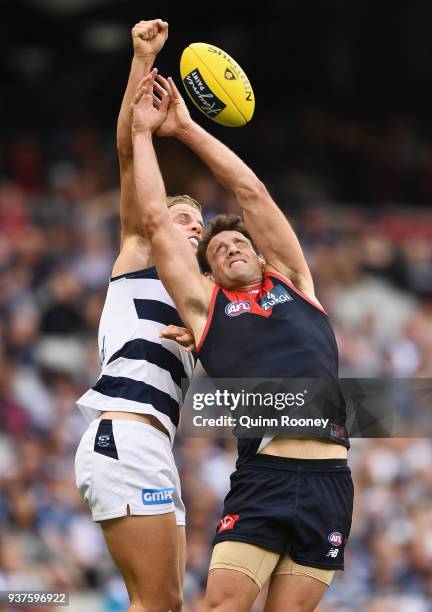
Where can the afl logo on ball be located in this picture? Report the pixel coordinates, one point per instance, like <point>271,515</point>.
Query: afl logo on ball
<point>234,309</point>
<point>335,538</point>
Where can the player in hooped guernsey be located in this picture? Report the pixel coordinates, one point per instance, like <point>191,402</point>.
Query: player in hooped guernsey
<point>139,368</point>
<point>124,464</point>
<point>288,513</point>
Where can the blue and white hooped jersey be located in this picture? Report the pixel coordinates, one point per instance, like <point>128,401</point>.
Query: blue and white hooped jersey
<point>141,372</point>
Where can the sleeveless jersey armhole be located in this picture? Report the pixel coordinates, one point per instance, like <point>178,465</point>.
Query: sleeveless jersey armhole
<point>285,280</point>
<point>215,292</point>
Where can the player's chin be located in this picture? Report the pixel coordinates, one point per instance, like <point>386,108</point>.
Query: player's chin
<point>194,246</point>
<point>240,276</point>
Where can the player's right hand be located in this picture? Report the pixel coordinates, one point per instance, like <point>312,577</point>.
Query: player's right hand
<point>149,37</point>
<point>181,335</point>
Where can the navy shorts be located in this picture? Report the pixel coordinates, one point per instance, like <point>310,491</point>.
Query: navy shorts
<point>300,507</point>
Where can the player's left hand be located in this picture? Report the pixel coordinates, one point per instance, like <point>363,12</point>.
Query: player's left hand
<point>178,118</point>
<point>183,336</point>
<point>146,117</point>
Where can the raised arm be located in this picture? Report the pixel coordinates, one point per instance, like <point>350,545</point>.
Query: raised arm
<point>269,228</point>
<point>175,260</point>
<point>148,38</point>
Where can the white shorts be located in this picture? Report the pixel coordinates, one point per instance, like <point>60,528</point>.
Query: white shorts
<point>121,464</point>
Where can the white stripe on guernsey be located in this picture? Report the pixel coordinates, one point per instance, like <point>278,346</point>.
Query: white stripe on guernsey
<point>147,289</point>
<point>143,371</point>
<point>92,403</point>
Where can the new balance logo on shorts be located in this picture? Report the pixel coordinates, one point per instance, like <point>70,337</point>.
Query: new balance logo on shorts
<point>151,497</point>
<point>227,522</point>
<point>336,539</point>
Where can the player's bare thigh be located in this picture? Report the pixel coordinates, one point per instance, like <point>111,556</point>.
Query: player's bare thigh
<point>238,571</point>
<point>181,539</point>
<point>303,592</point>
<point>146,551</point>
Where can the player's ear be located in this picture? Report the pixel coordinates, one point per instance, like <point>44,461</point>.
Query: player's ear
<point>262,261</point>
<point>209,275</point>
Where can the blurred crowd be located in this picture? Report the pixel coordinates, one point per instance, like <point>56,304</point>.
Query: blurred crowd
<point>59,235</point>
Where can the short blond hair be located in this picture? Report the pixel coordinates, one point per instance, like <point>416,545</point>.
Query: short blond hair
<point>183,199</point>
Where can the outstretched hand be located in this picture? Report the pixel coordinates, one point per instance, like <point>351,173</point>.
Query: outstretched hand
<point>148,115</point>
<point>178,118</point>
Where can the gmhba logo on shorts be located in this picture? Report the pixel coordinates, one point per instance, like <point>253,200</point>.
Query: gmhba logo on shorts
<point>151,497</point>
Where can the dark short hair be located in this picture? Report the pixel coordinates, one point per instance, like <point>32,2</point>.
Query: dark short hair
<point>183,199</point>
<point>221,223</point>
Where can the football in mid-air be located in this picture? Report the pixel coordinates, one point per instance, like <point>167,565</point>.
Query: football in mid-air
<point>217,85</point>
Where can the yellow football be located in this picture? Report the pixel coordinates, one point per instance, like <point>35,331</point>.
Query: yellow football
<point>217,85</point>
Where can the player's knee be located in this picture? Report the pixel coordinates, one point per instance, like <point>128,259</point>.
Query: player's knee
<point>302,604</point>
<point>302,607</point>
<point>221,601</point>
<point>230,605</point>
<point>169,602</point>
<point>176,603</point>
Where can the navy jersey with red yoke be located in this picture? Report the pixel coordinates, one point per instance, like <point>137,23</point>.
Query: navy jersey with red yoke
<point>274,331</point>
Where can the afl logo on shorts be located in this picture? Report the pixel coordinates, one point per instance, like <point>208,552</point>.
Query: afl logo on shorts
<point>227,522</point>
<point>335,538</point>
<point>234,309</point>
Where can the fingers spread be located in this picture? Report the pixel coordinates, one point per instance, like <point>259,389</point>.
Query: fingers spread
<point>156,102</point>
<point>175,92</point>
<point>161,90</point>
<point>145,86</point>
<point>164,103</point>
<point>165,84</point>
<point>148,77</point>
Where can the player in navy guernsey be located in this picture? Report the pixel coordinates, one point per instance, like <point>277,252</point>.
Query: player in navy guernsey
<point>291,339</point>
<point>124,464</point>
<point>254,313</point>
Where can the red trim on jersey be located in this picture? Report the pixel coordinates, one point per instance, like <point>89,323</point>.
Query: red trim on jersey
<point>252,295</point>
<point>209,318</point>
<point>300,293</point>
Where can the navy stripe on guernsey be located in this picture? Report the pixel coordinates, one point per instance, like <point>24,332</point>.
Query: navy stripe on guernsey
<point>153,353</point>
<point>146,273</point>
<point>136,391</point>
<point>153,310</point>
